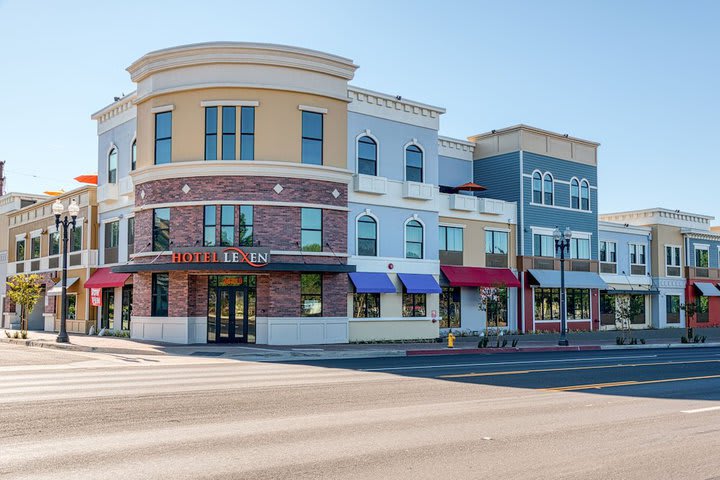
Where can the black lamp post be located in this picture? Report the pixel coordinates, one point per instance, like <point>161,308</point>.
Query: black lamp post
<point>562,243</point>
<point>58,210</point>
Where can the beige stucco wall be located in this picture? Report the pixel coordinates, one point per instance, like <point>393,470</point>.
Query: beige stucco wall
<point>664,235</point>
<point>278,124</point>
<point>474,239</point>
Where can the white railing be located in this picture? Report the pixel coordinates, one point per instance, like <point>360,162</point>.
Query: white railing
<point>107,192</point>
<point>370,184</point>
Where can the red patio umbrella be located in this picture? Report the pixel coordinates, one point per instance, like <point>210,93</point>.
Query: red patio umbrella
<point>471,187</point>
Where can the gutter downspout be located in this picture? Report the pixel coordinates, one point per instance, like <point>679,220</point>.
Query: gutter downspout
<point>521,233</point>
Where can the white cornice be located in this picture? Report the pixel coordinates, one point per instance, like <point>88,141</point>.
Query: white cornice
<point>255,168</point>
<point>455,148</point>
<point>368,102</point>
<point>528,128</point>
<point>623,228</point>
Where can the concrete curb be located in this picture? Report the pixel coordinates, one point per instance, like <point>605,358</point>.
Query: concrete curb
<point>660,346</point>
<point>471,351</point>
<point>79,348</point>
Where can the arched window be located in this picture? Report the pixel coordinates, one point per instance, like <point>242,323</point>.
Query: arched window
<point>367,156</point>
<point>574,193</point>
<point>112,166</point>
<point>537,187</point>
<point>413,164</point>
<point>413,239</point>
<point>367,236</point>
<point>548,189</point>
<point>133,155</point>
<point>585,195</point>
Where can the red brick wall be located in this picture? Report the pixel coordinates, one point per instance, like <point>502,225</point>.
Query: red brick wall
<point>142,292</point>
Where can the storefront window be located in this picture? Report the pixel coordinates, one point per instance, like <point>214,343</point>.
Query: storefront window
<point>71,307</point>
<point>127,301</point>
<point>366,305</point>
<point>547,303</point>
<point>311,294</point>
<point>703,308</point>
<point>672,306</point>
<point>607,310</point>
<point>413,305</point>
<point>578,304</point>
<point>161,229</point>
<point>311,230</point>
<point>638,307</point>
<point>246,226</point>
<point>450,307</point>
<point>160,283</point>
<point>497,309</point>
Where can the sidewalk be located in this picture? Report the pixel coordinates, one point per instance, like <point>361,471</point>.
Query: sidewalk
<point>463,345</point>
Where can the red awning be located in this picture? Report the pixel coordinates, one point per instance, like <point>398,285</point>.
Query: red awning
<point>480,277</point>
<point>104,278</point>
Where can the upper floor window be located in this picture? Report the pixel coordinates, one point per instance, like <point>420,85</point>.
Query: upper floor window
<point>131,235</point>
<point>20,250</point>
<point>163,138</point>
<point>543,245</point>
<point>211,124</point>
<point>413,164</point>
<point>246,226</point>
<point>637,255</point>
<point>367,156</point>
<point>367,236</point>
<point>209,226</point>
<point>548,187</point>
<point>76,238</point>
<point>112,240</point>
<point>496,249</point>
<point>702,257</point>
<point>537,187</point>
<point>574,193</point>
<point>161,229</point>
<point>112,165</point>
<point>312,138</point>
<point>54,243</point>
<point>585,195</point>
<point>580,248</point>
<point>608,257</point>
<point>672,261</point>
<point>413,239</point>
<point>35,247</point>
<point>133,156</point>
<point>247,133</point>
<point>451,239</point>
<point>228,132</point>
<point>227,225</point>
<point>311,230</point>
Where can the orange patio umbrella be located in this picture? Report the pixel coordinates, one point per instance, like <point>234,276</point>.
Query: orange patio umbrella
<point>91,178</point>
<point>54,193</point>
<point>471,187</point>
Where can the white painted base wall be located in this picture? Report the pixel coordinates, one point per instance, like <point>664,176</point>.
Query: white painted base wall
<point>301,330</point>
<point>49,322</point>
<point>184,330</point>
<point>377,329</point>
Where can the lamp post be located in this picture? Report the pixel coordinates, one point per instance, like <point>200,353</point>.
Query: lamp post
<point>58,210</point>
<point>562,243</point>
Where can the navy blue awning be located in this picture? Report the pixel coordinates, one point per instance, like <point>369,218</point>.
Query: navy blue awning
<point>419,283</point>
<point>371,282</point>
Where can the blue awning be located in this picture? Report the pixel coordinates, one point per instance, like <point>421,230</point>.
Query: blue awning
<point>419,283</point>
<point>707,289</point>
<point>368,282</point>
<point>551,279</point>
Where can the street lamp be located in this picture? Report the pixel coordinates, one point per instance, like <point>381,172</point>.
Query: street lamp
<point>562,242</point>
<point>58,210</point>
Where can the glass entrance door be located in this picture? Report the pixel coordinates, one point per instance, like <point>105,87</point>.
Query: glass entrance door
<point>231,310</point>
<point>108,308</point>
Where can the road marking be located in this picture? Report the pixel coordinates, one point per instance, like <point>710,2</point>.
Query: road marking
<point>528,362</point>
<point>593,367</point>
<point>598,386</point>
<point>701,410</point>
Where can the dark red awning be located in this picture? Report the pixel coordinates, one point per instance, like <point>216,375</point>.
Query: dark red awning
<point>104,278</point>
<point>480,277</point>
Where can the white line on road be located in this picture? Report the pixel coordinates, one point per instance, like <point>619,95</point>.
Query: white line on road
<point>701,410</point>
<point>530,362</point>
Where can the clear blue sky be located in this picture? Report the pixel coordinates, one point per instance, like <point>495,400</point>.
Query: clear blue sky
<point>640,77</point>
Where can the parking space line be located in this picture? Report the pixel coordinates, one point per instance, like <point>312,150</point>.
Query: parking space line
<point>701,410</point>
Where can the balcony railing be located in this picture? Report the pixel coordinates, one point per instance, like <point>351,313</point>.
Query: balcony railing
<point>450,257</point>
<point>496,260</point>
<point>111,254</point>
<point>549,263</point>
<point>370,184</point>
<point>637,270</point>
<point>608,267</point>
<point>702,272</point>
<point>87,258</point>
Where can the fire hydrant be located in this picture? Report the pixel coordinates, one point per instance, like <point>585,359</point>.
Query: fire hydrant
<point>451,340</point>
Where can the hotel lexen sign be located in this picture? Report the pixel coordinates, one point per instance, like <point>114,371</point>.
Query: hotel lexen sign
<point>253,256</point>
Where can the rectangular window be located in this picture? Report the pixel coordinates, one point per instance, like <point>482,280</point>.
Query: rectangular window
<point>702,257</point>
<point>578,304</point>
<point>35,247</point>
<point>366,305</point>
<point>637,254</point>
<point>163,138</point>
<point>608,257</point>
<point>19,250</point>
<point>161,229</point>
<point>76,238</point>
<point>311,294</point>
<point>311,230</point>
<point>672,261</point>
<point>160,283</point>
<point>131,235</point>
<point>112,240</point>
<point>71,306</point>
<point>54,243</point>
<point>496,310</point>
<point>547,303</point>
<point>312,138</point>
<point>211,123</point>
<point>496,242</point>
<point>544,245</point>
<point>450,307</point>
<point>209,224</point>
<point>672,308</point>
<point>228,132</point>
<point>413,304</point>
<point>451,239</point>
<point>247,133</point>
<point>246,226</point>
<point>703,309</point>
<point>227,225</point>
<point>580,248</point>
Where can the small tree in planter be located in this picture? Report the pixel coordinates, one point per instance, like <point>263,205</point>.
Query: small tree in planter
<point>25,290</point>
<point>493,300</point>
<point>625,310</point>
<point>690,310</point>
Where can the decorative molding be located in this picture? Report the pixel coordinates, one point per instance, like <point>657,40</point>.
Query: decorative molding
<point>395,108</point>
<point>234,202</point>
<point>162,108</point>
<point>309,108</point>
<point>229,103</point>
<point>455,148</point>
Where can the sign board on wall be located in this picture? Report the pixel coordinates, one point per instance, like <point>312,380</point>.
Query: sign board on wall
<point>96,297</point>
<point>254,256</point>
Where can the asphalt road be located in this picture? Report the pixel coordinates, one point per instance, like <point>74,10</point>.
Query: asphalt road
<point>650,414</point>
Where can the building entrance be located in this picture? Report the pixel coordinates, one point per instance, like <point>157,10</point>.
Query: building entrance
<point>231,309</point>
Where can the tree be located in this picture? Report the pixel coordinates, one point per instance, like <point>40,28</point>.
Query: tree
<point>625,309</point>
<point>25,290</point>
<point>493,301</point>
<point>690,310</point>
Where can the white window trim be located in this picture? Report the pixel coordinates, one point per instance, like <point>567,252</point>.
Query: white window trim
<point>309,108</point>
<point>162,108</point>
<point>20,236</point>
<point>552,178</point>
<point>581,236</point>
<point>367,212</point>
<point>679,247</point>
<point>415,142</point>
<point>645,252</point>
<point>36,233</point>
<point>586,182</point>
<point>424,242</point>
<point>607,242</point>
<point>570,183</point>
<point>532,189</point>
<point>229,103</point>
<point>107,163</point>
<point>366,133</point>
<point>497,229</point>
<point>543,232</point>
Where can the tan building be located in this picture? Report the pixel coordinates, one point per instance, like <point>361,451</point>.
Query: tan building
<point>35,246</point>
